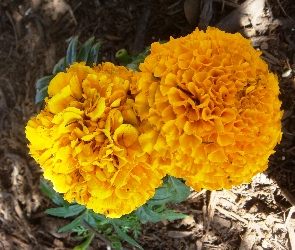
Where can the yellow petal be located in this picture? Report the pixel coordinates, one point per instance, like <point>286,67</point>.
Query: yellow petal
<point>225,139</point>
<point>125,135</point>
<point>217,156</point>
<point>60,81</point>
<point>98,110</point>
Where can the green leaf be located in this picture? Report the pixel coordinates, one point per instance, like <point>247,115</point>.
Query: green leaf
<point>172,190</point>
<point>43,82</point>
<point>134,65</point>
<point>146,214</point>
<point>75,223</point>
<point>115,243</point>
<point>172,215</point>
<point>163,195</point>
<point>158,209</point>
<point>91,219</point>
<point>41,94</point>
<point>93,55</point>
<point>52,194</point>
<point>72,51</point>
<point>65,211</point>
<point>86,244</point>
<point>100,219</point>
<point>125,236</point>
<point>181,191</point>
<point>108,230</point>
<point>84,51</point>
<point>123,223</point>
<point>60,66</point>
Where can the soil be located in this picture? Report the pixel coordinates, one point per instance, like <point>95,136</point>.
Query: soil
<point>34,35</point>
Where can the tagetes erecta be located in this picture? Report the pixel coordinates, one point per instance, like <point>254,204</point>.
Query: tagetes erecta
<point>86,140</point>
<point>209,108</point>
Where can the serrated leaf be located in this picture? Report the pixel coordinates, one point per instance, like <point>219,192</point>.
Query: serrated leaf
<point>52,194</point>
<point>125,236</point>
<point>123,223</point>
<point>41,94</point>
<point>86,244</point>
<point>43,82</point>
<point>163,192</point>
<point>93,55</point>
<point>90,218</point>
<point>99,218</point>
<point>84,51</point>
<point>116,244</point>
<point>76,222</point>
<point>146,214</point>
<point>60,66</point>
<point>172,215</point>
<point>65,211</point>
<point>158,209</point>
<point>172,190</point>
<point>181,191</point>
<point>72,51</point>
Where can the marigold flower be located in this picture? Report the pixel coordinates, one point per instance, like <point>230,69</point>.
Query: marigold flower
<point>86,140</point>
<point>209,108</point>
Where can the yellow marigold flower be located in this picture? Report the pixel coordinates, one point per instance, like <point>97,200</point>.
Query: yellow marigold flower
<point>209,108</point>
<point>86,140</point>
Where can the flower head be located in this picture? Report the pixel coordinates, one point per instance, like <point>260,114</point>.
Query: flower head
<point>210,108</point>
<point>86,140</point>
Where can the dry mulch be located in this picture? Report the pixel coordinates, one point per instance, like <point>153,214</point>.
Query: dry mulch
<point>33,36</point>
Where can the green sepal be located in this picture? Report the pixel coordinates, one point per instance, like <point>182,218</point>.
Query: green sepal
<point>72,51</point>
<point>52,194</point>
<point>61,66</point>
<point>93,55</point>
<point>86,244</point>
<point>65,211</point>
<point>85,50</point>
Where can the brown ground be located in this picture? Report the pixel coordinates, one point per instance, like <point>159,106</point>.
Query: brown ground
<point>33,36</point>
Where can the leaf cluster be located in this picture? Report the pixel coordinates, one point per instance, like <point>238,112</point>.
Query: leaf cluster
<point>87,224</point>
<point>87,54</point>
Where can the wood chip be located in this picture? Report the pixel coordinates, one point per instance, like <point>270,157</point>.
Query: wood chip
<point>271,58</point>
<point>250,10</point>
<point>192,11</point>
<point>231,215</point>
<point>206,15</point>
<point>211,208</point>
<point>179,234</point>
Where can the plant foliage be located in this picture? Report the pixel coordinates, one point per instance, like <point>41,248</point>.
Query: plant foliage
<point>115,230</point>
<point>87,53</point>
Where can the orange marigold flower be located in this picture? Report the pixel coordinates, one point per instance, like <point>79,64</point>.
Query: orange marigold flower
<point>86,140</point>
<point>210,108</point>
